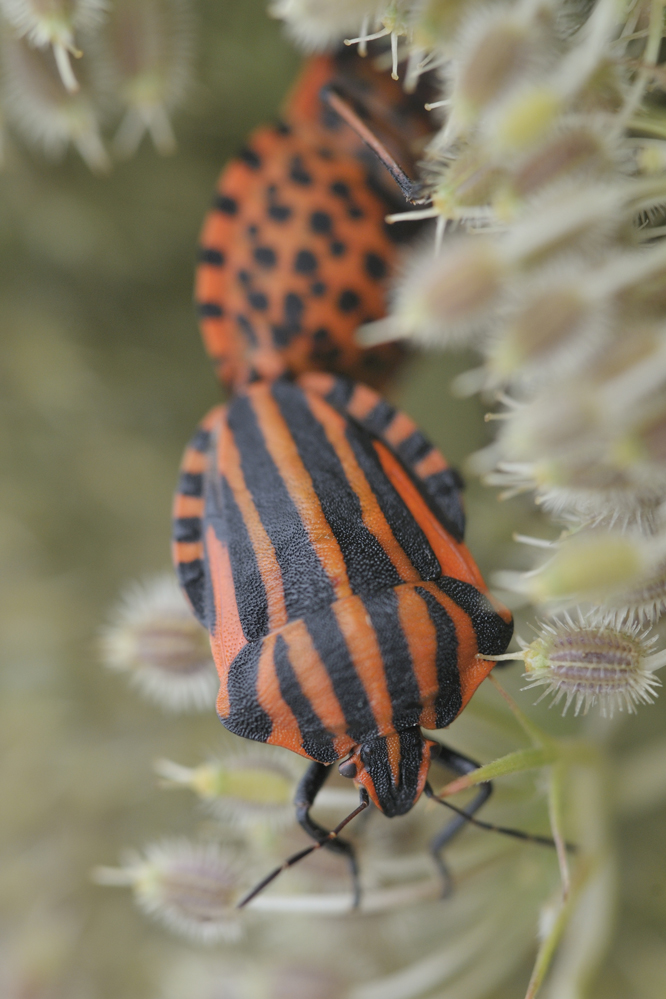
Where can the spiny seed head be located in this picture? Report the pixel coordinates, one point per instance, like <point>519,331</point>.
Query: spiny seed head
<point>468,181</point>
<point>443,300</point>
<point>189,887</point>
<point>551,328</point>
<point>583,664</point>
<point>495,59</point>
<point>54,22</point>
<point>642,603</point>
<point>144,58</point>
<point>590,443</point>
<point>154,636</point>
<point>522,120</point>
<point>46,21</point>
<point>493,50</point>
<point>565,223</point>
<point>317,26</point>
<point>247,788</point>
<point>45,113</point>
<point>646,299</point>
<point>589,493</point>
<point>645,442</point>
<point>576,151</point>
<point>561,423</point>
<point>586,566</point>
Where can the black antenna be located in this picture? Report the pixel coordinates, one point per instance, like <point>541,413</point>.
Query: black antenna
<point>412,189</point>
<point>515,833</point>
<point>295,857</point>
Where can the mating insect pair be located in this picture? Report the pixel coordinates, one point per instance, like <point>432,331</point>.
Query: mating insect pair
<point>318,534</point>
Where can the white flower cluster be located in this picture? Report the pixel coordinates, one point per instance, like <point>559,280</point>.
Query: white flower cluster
<point>134,69</point>
<point>547,179</point>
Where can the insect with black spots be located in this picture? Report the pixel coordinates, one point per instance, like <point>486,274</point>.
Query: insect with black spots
<point>318,534</point>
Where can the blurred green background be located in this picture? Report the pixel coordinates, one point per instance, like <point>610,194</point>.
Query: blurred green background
<point>102,380</point>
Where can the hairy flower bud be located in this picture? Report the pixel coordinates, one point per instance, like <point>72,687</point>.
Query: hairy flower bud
<point>144,57</point>
<point>317,25</point>
<point>252,788</point>
<point>469,182</point>
<point>494,49</point>
<point>552,327</point>
<point>446,299</point>
<point>577,151</point>
<point>47,115</point>
<point>190,888</point>
<point>523,120</point>
<point>584,664</point>
<point>155,638</point>
<point>590,565</point>
<point>643,601</point>
<point>54,23</point>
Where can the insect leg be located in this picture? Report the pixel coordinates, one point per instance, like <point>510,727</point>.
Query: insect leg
<point>306,792</point>
<point>463,765</point>
<point>460,765</point>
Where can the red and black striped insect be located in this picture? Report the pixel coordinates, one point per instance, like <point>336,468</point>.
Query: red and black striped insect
<point>318,533</point>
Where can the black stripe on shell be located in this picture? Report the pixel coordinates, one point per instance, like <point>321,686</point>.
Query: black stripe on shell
<point>209,310</point>
<point>414,448</point>
<point>249,587</point>
<point>449,697</point>
<point>444,488</point>
<point>316,740</point>
<point>403,688</point>
<point>379,417</point>
<point>192,578</point>
<point>306,585</point>
<point>369,568</point>
<point>210,255</point>
<point>330,644</point>
<point>187,529</point>
<point>341,393</point>
<point>190,484</point>
<point>407,532</point>
<point>493,634</point>
<point>246,716</point>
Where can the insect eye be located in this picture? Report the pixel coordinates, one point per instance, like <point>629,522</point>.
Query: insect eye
<point>347,769</point>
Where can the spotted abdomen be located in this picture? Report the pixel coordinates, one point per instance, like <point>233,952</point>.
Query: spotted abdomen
<point>295,253</point>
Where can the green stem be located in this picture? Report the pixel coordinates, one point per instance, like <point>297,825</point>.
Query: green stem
<point>538,737</point>
<point>552,939</point>
<point>555,810</point>
<point>513,763</point>
<point>651,121</point>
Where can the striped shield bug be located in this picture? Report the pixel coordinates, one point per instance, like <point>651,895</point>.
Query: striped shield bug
<point>317,533</point>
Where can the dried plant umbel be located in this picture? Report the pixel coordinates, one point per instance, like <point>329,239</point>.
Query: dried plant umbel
<point>547,178</point>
